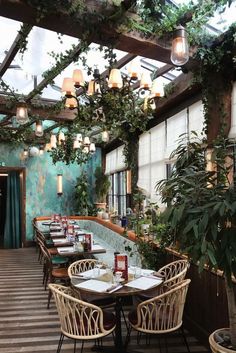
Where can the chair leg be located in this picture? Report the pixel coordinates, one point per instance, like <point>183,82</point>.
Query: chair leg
<point>74,346</point>
<point>49,297</point>
<point>166,345</point>
<point>60,343</point>
<point>82,347</point>
<point>185,339</point>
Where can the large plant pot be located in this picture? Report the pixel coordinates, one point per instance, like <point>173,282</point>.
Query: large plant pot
<point>217,348</point>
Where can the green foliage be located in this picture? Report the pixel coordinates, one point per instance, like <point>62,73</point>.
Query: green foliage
<point>102,184</point>
<point>201,204</point>
<point>83,204</point>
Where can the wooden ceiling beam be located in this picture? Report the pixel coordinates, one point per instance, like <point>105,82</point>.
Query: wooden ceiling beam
<point>63,23</point>
<point>25,30</point>
<point>44,110</point>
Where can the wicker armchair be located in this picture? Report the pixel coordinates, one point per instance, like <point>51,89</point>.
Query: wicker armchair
<point>162,314</point>
<point>80,320</point>
<point>81,266</point>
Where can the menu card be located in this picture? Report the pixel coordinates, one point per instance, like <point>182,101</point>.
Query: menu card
<point>121,264</point>
<point>144,283</point>
<point>96,286</point>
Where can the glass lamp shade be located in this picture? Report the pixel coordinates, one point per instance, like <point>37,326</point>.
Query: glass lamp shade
<point>78,78</point>
<point>76,144</point>
<point>134,70</point>
<point>71,103</point>
<point>145,82</point>
<point>53,141</point>
<point>34,151</point>
<point>79,137</point>
<point>67,87</point>
<point>157,89</point>
<point>39,129</point>
<point>179,50</point>
<point>61,137</point>
<point>86,149</point>
<point>41,151</point>
<point>92,148</point>
<point>105,136</point>
<point>22,114</point>
<point>115,79</point>
<point>86,141</point>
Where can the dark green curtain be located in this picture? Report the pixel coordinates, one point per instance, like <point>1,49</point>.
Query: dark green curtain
<point>12,231</point>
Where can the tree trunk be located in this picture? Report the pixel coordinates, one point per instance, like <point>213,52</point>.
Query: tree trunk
<point>232,311</point>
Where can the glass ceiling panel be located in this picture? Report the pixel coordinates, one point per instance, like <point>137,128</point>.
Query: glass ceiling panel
<point>11,28</point>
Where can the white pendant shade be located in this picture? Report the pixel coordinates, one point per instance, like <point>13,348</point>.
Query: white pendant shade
<point>47,147</point>
<point>53,141</point>
<point>105,136</point>
<point>145,81</point>
<point>61,137</point>
<point>76,144</point>
<point>115,79</point>
<point>92,147</point>
<point>134,70</point>
<point>67,86</point>
<point>78,78</point>
<point>86,141</point>
<point>157,89</point>
<point>71,103</point>
<point>41,151</point>
<point>86,149</point>
<point>25,152</point>
<point>91,90</point>
<point>79,137</point>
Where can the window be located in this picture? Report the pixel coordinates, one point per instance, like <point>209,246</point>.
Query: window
<point>118,198</point>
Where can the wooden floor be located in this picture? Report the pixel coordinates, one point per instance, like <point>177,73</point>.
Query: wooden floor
<point>26,325</point>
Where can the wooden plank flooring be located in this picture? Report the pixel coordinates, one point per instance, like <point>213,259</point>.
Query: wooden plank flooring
<point>26,325</point>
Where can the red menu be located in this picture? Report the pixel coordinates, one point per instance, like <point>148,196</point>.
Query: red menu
<point>121,264</point>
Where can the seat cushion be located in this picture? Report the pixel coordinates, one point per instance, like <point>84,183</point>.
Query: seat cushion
<point>58,260</point>
<point>109,320</point>
<point>60,273</point>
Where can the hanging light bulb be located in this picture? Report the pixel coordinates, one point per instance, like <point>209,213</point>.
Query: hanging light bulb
<point>180,50</point>
<point>67,87</point>
<point>71,103</point>
<point>78,78</point>
<point>146,81</point>
<point>47,147</point>
<point>61,138</point>
<point>22,113</point>
<point>92,148</point>
<point>53,141</point>
<point>39,128</point>
<point>115,79</point>
<point>105,136</point>
<point>86,149</point>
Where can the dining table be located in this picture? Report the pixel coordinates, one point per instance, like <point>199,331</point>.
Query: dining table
<point>99,284</point>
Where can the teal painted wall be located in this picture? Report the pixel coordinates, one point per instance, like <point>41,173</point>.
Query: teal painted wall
<point>41,182</point>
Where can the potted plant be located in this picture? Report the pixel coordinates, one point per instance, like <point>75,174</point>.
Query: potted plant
<point>82,195</point>
<point>201,208</point>
<point>102,185</point>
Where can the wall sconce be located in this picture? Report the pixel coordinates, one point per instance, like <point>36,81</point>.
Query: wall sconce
<point>180,50</point>
<point>22,112</point>
<point>59,185</point>
<point>39,128</point>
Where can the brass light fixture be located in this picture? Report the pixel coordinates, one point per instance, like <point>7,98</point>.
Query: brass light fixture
<point>22,112</point>
<point>39,128</point>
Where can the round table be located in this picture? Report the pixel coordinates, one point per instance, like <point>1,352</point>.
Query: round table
<point>118,295</point>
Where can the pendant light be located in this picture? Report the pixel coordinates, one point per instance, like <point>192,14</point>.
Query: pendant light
<point>180,49</point>
<point>39,128</point>
<point>22,113</point>
<point>115,79</point>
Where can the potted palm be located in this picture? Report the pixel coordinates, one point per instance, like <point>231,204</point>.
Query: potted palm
<point>102,185</point>
<point>201,208</point>
<point>82,198</point>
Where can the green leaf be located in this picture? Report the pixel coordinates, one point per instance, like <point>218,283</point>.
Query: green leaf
<point>189,226</point>
<point>211,257</point>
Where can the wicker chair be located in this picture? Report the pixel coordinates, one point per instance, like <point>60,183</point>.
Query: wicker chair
<point>162,314</point>
<point>80,320</point>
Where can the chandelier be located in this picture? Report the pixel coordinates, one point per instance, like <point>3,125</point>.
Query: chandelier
<point>66,147</point>
<point>113,101</point>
